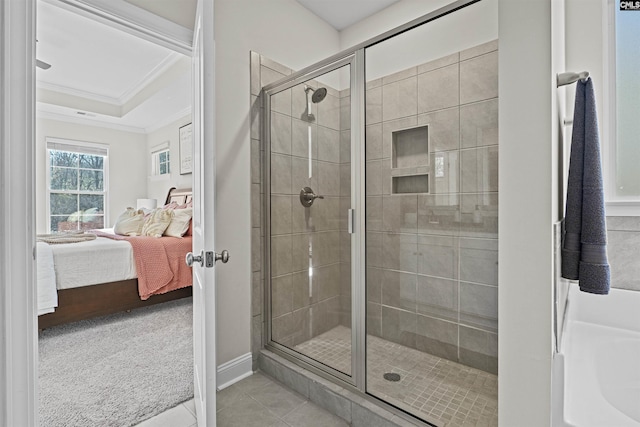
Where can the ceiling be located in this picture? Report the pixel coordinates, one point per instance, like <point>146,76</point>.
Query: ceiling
<point>106,77</point>
<point>340,14</point>
<point>103,76</point>
<point>181,12</point>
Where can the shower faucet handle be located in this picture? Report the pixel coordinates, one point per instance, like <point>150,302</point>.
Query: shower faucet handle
<point>307,196</point>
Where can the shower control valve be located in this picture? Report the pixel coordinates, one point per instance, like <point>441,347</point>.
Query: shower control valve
<point>307,196</point>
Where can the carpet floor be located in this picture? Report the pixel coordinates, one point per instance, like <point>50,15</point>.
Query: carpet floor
<point>116,370</point>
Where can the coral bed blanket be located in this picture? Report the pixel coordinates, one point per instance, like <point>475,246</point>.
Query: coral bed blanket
<point>160,264</point>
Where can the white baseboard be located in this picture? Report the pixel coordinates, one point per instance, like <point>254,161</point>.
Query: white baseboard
<point>234,370</point>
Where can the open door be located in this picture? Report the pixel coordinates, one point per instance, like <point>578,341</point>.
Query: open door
<point>18,314</point>
<point>203,258</point>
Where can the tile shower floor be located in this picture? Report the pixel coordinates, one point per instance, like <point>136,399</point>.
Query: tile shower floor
<point>430,387</point>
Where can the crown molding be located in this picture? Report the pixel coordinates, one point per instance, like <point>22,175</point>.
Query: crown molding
<point>167,121</point>
<point>134,20</point>
<point>162,67</point>
<point>146,80</point>
<point>78,93</point>
<point>86,121</point>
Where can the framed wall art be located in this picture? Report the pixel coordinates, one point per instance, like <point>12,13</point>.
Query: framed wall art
<point>186,149</point>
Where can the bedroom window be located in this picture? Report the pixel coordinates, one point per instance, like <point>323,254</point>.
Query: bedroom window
<point>161,162</point>
<point>77,185</point>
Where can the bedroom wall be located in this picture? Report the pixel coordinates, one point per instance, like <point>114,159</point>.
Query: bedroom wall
<point>127,172</point>
<point>273,29</point>
<point>157,186</point>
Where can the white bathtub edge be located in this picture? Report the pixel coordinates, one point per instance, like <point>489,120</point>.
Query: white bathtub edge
<point>590,322</point>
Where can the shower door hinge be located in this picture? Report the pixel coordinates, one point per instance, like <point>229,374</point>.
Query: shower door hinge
<point>350,221</point>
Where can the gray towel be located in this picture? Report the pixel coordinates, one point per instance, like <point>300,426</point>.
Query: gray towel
<point>584,245</point>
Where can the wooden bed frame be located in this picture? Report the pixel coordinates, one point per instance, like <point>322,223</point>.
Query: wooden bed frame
<point>107,298</point>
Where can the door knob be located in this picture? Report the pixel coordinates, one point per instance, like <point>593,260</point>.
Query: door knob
<point>191,258</point>
<point>209,257</point>
<point>222,256</point>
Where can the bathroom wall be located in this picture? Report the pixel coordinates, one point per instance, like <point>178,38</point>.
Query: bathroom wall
<point>432,252</point>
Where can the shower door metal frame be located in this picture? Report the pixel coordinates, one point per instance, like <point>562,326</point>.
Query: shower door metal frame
<point>355,56</point>
<point>355,61</point>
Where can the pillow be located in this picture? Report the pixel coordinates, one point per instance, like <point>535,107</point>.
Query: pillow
<point>157,222</point>
<point>89,215</point>
<point>170,206</point>
<point>129,223</point>
<point>179,223</point>
<point>74,217</point>
<point>146,211</point>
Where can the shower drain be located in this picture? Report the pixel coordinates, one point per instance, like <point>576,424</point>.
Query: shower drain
<point>389,376</point>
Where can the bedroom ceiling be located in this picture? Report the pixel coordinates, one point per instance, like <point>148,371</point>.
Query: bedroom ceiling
<point>181,12</point>
<point>107,77</point>
<point>103,76</point>
<point>342,13</point>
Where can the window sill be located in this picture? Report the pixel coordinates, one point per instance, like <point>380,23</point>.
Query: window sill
<point>620,208</point>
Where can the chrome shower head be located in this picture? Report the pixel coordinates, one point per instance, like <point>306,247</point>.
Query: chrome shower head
<point>318,95</point>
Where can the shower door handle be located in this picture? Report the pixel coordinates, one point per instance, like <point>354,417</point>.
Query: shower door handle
<point>350,220</point>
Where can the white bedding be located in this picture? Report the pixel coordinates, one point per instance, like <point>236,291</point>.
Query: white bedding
<point>96,261</point>
<point>47,293</point>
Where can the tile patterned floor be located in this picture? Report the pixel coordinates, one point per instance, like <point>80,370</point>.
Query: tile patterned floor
<point>430,387</point>
<point>183,415</point>
<point>255,401</point>
<point>333,348</point>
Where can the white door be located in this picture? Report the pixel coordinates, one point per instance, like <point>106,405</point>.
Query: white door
<point>204,314</point>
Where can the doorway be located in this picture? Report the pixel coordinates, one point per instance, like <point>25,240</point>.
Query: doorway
<point>117,122</point>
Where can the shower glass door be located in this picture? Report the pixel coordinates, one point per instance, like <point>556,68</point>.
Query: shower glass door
<point>432,218</point>
<point>309,174</point>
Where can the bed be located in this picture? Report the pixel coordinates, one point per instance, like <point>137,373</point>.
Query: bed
<point>99,277</point>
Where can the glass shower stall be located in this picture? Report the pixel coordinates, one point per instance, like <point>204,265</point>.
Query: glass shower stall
<point>381,216</point>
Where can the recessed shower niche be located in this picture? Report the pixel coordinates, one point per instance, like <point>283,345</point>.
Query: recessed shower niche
<point>410,160</point>
<point>410,147</point>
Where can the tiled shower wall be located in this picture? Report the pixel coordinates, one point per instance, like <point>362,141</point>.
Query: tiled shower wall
<point>303,305</point>
<point>431,258</point>
<point>623,247</point>
<point>432,272</point>
<point>305,241</point>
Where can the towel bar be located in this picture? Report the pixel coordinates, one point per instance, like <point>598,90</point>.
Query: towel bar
<point>563,79</point>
